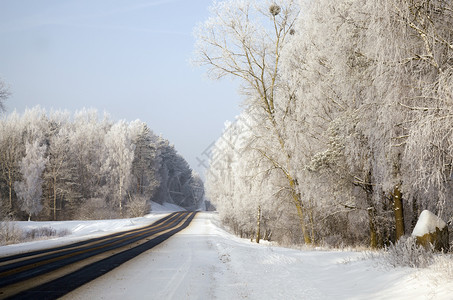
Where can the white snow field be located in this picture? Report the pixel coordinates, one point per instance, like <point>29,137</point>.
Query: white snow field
<point>205,262</point>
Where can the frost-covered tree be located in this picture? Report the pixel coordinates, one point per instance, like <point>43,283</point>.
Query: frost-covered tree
<point>178,183</point>
<point>427,163</point>
<point>16,131</point>
<point>194,191</point>
<point>118,165</point>
<point>408,43</point>
<point>4,94</point>
<point>87,146</point>
<point>146,161</point>
<point>326,66</point>
<point>29,189</point>
<point>251,199</point>
<point>11,153</point>
<point>61,178</point>
<point>220,177</point>
<point>223,181</point>
<point>245,39</point>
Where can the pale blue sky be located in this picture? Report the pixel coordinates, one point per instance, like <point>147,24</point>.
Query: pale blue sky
<point>128,58</point>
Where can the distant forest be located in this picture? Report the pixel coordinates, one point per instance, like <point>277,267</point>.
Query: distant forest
<point>58,166</point>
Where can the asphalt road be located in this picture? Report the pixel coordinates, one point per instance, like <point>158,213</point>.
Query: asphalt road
<point>52,273</point>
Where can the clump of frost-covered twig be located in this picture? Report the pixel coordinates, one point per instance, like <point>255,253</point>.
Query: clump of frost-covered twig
<point>96,209</point>
<point>407,253</point>
<point>44,233</point>
<point>137,207</point>
<point>9,233</point>
<point>443,264</point>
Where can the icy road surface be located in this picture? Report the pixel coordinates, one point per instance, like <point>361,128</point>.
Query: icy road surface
<point>205,262</point>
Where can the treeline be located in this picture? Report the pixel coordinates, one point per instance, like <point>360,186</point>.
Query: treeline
<point>346,135</point>
<point>58,166</point>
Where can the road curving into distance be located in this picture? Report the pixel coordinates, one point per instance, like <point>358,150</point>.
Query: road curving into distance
<point>52,273</point>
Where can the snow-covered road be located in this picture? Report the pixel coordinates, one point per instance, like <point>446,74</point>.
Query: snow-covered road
<point>205,262</point>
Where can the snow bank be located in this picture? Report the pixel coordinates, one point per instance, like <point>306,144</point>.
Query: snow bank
<point>427,223</point>
<point>75,231</point>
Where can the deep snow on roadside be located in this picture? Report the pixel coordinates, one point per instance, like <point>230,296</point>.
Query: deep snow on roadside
<point>205,262</point>
<point>79,230</point>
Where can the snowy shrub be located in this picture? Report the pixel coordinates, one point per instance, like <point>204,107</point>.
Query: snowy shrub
<point>334,240</point>
<point>407,253</point>
<point>443,264</point>
<point>41,232</point>
<point>4,211</point>
<point>9,233</point>
<point>96,209</point>
<point>137,207</point>
<point>45,232</point>
<point>29,190</point>
<point>63,232</point>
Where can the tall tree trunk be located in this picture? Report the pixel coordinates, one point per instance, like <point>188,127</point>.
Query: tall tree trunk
<point>300,211</point>
<point>373,232</point>
<point>415,213</point>
<point>258,225</point>
<point>120,199</point>
<point>312,222</point>
<point>368,187</point>
<point>10,186</point>
<point>54,198</point>
<point>398,210</point>
<point>297,199</point>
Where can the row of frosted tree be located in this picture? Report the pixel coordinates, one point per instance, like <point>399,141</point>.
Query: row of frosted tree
<point>58,166</point>
<point>347,129</point>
